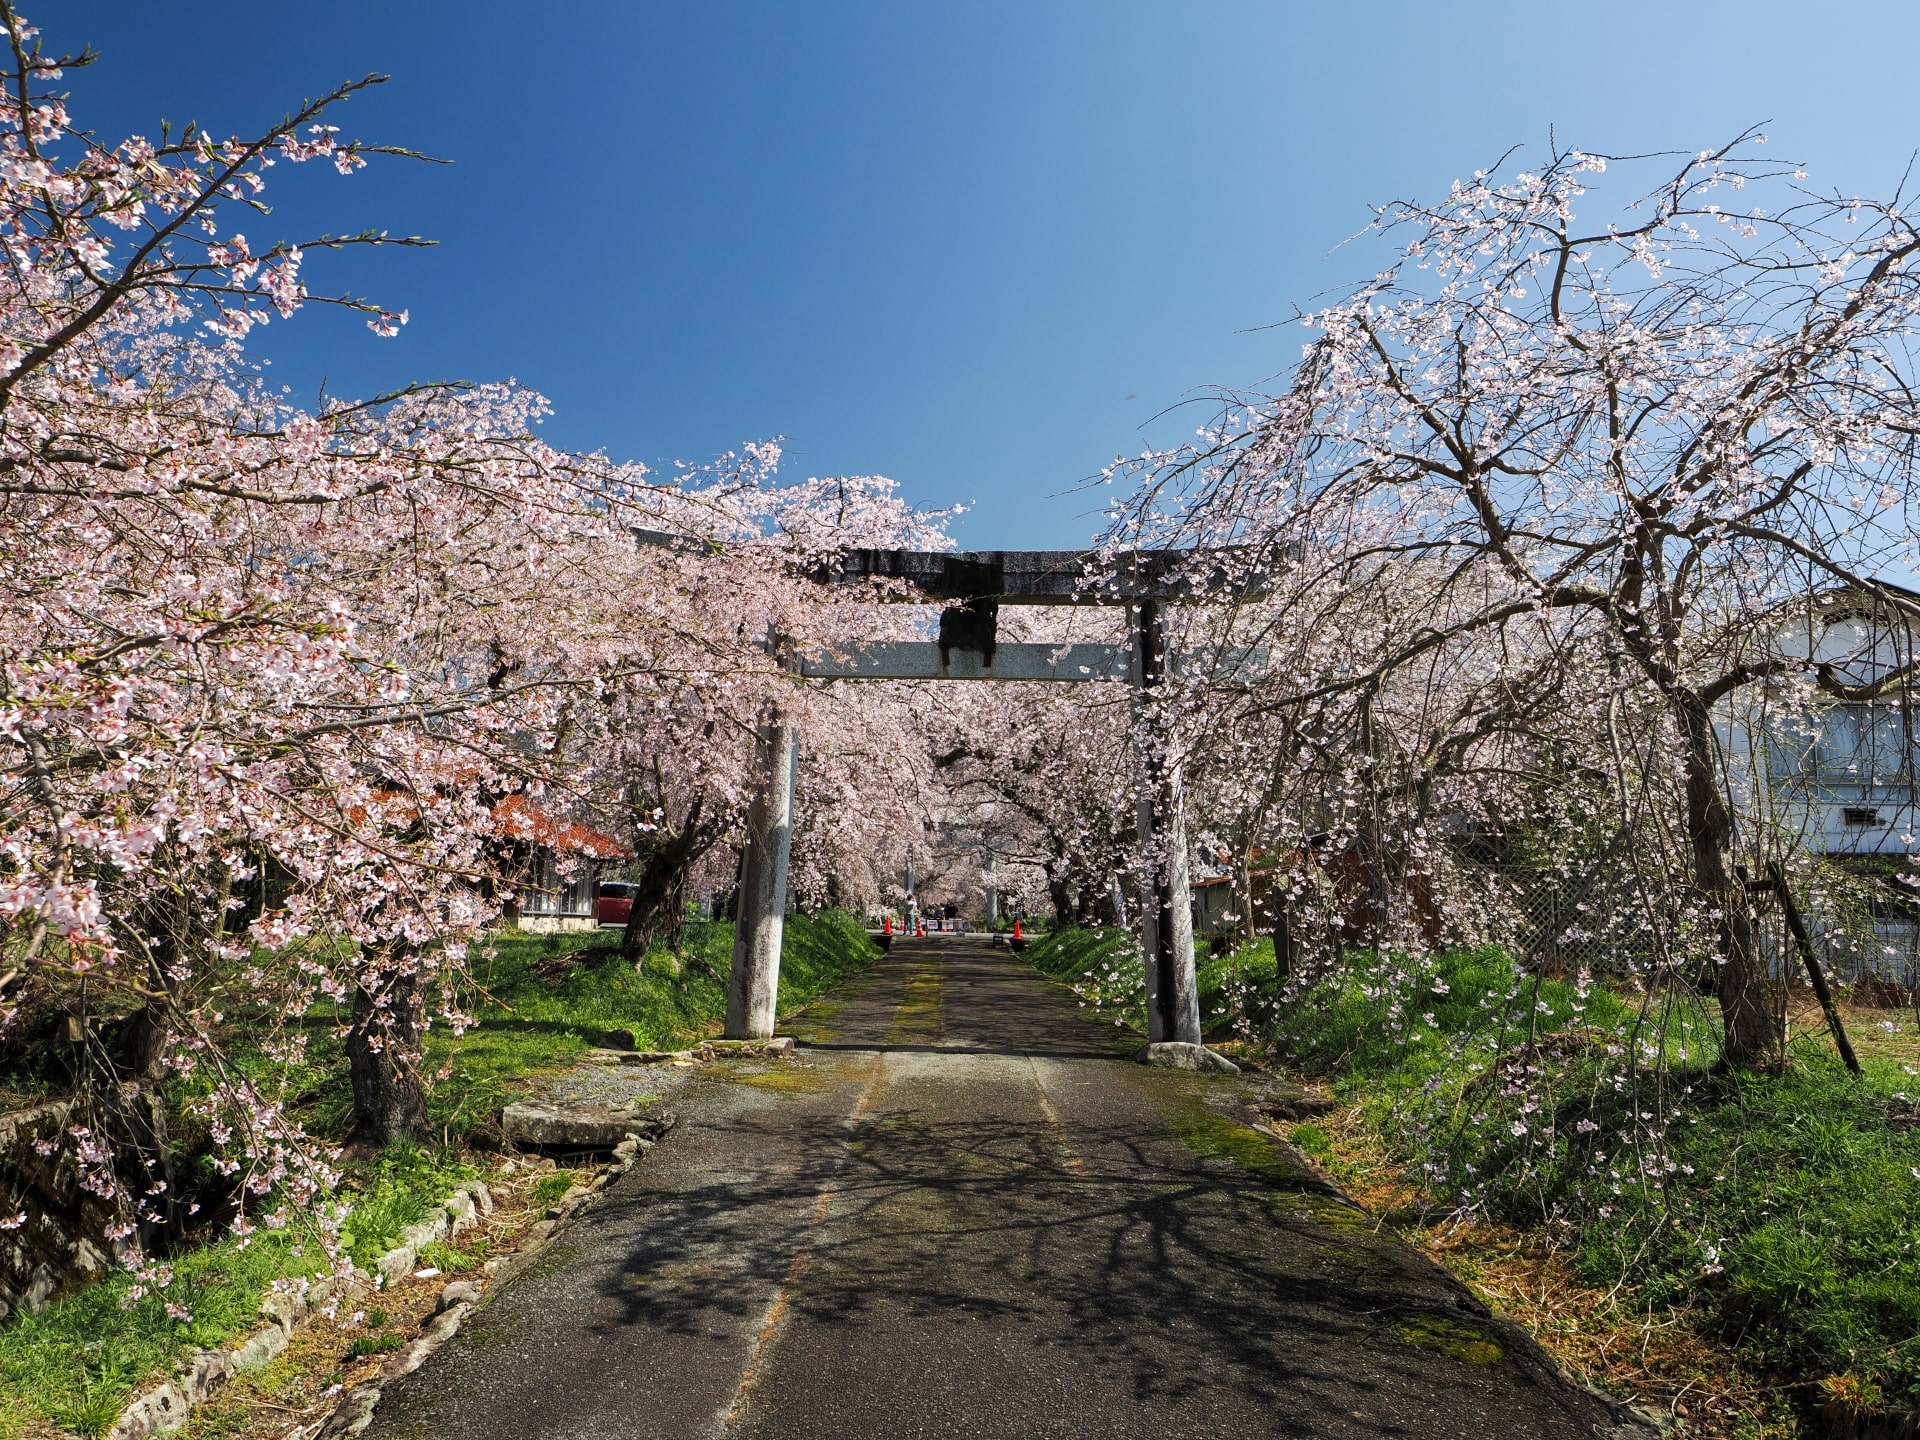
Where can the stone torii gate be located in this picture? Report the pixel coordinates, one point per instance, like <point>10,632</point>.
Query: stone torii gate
<point>973,585</point>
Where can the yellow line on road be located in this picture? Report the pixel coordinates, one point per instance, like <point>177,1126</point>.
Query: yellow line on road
<point>1053,1118</point>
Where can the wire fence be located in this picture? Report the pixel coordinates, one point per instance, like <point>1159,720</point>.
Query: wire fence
<point>1611,920</point>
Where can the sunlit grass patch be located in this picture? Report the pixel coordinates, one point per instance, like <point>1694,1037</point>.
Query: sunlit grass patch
<point>76,1363</point>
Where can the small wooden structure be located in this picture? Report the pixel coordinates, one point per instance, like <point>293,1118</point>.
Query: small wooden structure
<point>561,863</point>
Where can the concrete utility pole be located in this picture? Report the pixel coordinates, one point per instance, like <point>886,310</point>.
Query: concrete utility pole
<point>753,988</point>
<point>1166,912</point>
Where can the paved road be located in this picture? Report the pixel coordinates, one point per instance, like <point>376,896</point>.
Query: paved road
<point>961,1213</point>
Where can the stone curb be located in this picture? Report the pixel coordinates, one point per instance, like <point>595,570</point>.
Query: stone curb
<point>164,1408</point>
<point>454,1215</point>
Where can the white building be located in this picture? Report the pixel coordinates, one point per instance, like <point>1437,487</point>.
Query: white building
<point>1841,774</point>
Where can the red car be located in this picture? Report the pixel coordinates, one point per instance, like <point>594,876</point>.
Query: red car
<point>615,902</point>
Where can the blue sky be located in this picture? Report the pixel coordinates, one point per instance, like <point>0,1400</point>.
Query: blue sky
<point>977,247</point>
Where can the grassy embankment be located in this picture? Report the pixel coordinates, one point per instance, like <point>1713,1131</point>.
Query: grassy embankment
<point>1766,1283</point>
<point>1102,968</point>
<point>542,1002</point>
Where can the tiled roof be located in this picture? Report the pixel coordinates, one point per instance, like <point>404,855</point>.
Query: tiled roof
<point>520,817</point>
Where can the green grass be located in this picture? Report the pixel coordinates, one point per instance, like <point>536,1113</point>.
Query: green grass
<point>817,953</point>
<point>1781,1211</point>
<point>76,1364</point>
<point>533,1022</point>
<point>384,1342</point>
<point>549,1188</point>
<point>543,1001</point>
<point>1101,967</point>
<point>1793,1222</point>
<point>398,1190</point>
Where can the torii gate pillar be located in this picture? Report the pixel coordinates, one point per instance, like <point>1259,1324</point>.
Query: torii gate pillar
<point>1166,911</point>
<point>753,987</point>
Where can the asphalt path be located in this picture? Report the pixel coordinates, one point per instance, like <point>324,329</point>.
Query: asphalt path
<point>962,1212</point>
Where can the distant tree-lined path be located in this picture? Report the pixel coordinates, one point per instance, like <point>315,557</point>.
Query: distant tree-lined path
<point>959,1213</point>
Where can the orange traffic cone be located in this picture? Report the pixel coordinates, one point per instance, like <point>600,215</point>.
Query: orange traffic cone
<point>1016,929</point>
<point>886,924</point>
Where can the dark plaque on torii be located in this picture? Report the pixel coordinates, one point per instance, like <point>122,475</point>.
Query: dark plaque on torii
<point>972,585</point>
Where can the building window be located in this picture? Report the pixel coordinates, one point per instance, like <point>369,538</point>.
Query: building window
<point>1842,746</point>
<point>1859,815</point>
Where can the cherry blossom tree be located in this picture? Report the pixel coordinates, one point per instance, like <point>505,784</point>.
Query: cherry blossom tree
<point>716,605</point>
<point>269,674</point>
<point>1633,440</point>
<point>1044,775</point>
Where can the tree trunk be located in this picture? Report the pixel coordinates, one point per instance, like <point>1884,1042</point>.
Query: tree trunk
<point>1737,979</point>
<point>660,894</point>
<point>1061,895</point>
<point>383,1060</point>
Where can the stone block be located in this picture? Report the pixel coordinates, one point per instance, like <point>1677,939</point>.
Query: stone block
<point>433,1228</point>
<point>396,1264</point>
<point>287,1309</point>
<point>460,1292</point>
<point>572,1127</point>
<point>207,1376</point>
<point>260,1348</point>
<point>158,1412</point>
<point>1184,1055</point>
<point>356,1410</point>
<point>460,1212</point>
